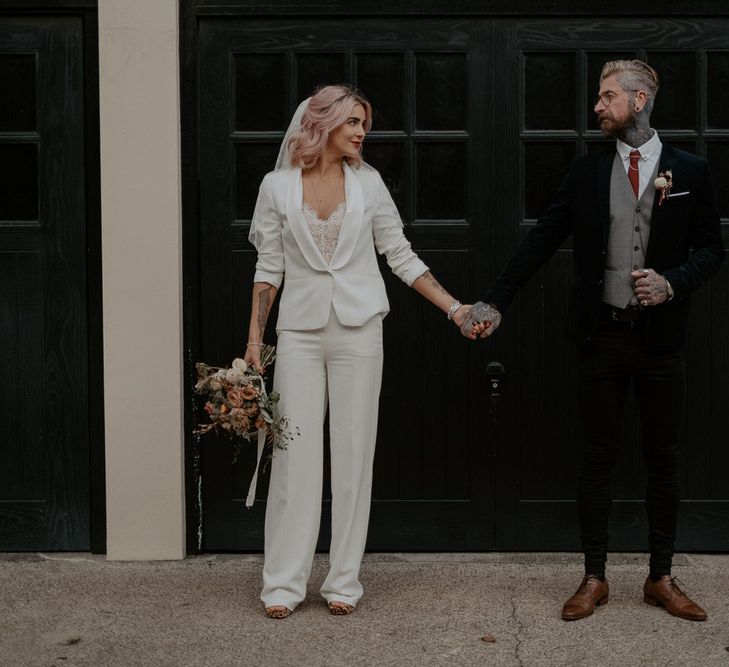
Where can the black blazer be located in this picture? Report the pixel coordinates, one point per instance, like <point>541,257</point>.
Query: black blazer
<point>581,207</point>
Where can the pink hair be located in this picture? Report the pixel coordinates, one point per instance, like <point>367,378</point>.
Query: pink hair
<point>328,108</point>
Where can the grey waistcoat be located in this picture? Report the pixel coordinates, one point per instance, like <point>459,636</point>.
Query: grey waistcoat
<point>630,227</point>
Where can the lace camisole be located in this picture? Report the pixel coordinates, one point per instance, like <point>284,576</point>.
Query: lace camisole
<point>325,232</point>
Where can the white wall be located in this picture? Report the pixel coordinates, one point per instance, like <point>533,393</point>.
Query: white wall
<point>142,274</point>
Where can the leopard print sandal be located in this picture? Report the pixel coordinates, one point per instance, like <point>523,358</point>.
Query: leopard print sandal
<point>337,608</point>
<point>280,612</point>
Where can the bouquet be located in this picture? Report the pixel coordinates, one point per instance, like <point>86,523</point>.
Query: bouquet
<point>238,404</point>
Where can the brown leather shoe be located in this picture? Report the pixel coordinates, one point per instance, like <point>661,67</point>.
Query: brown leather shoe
<point>665,593</point>
<point>592,592</point>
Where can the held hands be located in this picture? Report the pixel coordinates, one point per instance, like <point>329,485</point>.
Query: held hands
<point>460,317</point>
<point>479,320</point>
<point>461,314</point>
<point>650,287</point>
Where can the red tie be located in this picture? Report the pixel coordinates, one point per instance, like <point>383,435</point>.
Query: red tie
<point>633,172</point>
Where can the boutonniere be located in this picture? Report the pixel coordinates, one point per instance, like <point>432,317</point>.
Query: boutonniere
<point>663,184</point>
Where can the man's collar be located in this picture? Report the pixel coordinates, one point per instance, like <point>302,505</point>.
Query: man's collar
<point>647,150</point>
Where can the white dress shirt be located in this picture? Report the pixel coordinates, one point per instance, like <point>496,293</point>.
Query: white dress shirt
<point>650,152</point>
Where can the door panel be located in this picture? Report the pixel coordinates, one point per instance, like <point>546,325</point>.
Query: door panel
<point>44,494</point>
<point>252,77</point>
<point>558,65</point>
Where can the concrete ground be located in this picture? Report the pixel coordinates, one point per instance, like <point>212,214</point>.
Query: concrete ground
<point>425,609</point>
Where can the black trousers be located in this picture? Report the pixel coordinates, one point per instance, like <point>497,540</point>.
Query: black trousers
<point>620,354</point>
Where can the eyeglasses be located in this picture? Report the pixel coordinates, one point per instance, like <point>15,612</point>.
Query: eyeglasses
<point>606,98</point>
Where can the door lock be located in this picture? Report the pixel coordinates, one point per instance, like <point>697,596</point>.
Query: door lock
<point>495,374</point>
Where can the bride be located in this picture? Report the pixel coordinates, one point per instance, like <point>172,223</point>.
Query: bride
<point>318,220</point>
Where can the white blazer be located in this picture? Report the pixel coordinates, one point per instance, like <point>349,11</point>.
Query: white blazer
<point>351,283</point>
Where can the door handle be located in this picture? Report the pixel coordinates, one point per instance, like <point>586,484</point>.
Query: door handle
<point>495,373</point>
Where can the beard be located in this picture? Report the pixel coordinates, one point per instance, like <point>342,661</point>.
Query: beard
<point>613,128</point>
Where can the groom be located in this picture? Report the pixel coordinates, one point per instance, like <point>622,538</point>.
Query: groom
<point>634,211</point>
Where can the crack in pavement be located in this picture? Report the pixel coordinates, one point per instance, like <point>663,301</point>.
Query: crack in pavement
<point>517,635</point>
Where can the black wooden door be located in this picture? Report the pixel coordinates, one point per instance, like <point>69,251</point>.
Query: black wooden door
<point>427,81</point>
<point>475,123</point>
<point>44,487</point>
<point>548,81</point>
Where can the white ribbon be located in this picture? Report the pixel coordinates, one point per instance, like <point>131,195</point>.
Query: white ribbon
<point>252,488</point>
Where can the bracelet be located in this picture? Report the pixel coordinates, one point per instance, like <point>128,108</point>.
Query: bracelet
<point>454,307</point>
<point>255,344</point>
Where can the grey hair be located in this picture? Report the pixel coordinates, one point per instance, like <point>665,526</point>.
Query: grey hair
<point>633,75</point>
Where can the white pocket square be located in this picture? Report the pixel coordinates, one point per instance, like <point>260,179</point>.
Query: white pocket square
<point>679,194</point>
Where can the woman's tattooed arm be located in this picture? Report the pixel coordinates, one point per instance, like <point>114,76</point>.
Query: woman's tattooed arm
<point>261,302</point>
<point>434,283</point>
<point>265,301</point>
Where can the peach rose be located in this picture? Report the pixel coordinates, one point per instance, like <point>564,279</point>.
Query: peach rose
<point>249,392</point>
<point>236,398</point>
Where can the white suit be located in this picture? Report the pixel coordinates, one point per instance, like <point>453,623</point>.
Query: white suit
<point>329,352</point>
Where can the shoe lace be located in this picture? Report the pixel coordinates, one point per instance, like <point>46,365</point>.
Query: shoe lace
<point>589,579</point>
<point>675,586</point>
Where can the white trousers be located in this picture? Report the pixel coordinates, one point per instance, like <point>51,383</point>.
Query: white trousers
<point>342,367</point>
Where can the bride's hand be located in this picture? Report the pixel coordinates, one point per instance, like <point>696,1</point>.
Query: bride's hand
<point>253,357</point>
<point>461,317</point>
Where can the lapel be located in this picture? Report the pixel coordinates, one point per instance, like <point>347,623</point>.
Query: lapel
<point>659,213</point>
<point>604,176</point>
<point>353,219</point>
<point>351,224</point>
<point>297,223</point>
